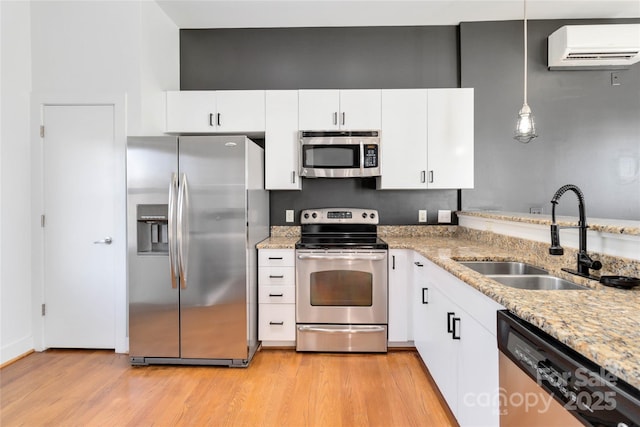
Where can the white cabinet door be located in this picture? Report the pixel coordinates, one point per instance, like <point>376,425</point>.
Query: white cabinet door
<point>441,350</point>
<point>190,111</point>
<point>404,139</point>
<point>450,137</point>
<point>281,141</point>
<point>318,109</point>
<point>215,111</point>
<point>360,109</point>
<point>420,307</point>
<point>478,377</point>
<point>400,296</point>
<point>240,111</point>
<point>357,109</point>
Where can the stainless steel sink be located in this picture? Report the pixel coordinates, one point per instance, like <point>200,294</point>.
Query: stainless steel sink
<point>503,267</point>
<point>536,282</point>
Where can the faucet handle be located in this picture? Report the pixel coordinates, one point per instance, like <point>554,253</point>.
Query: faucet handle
<point>584,259</point>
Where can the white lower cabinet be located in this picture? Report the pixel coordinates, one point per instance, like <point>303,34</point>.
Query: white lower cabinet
<point>400,292</point>
<point>276,297</point>
<point>455,334</point>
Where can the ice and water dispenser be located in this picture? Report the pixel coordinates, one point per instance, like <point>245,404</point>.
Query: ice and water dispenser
<point>153,229</point>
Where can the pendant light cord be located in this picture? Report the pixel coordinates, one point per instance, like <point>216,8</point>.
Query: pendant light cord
<point>525,52</point>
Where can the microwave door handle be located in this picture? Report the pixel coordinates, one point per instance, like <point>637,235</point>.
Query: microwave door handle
<point>361,158</point>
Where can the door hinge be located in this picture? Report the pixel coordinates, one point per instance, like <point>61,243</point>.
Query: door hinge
<point>41,131</point>
<point>44,309</point>
<point>42,220</point>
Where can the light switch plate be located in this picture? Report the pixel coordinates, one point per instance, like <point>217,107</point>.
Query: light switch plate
<point>444,216</point>
<point>289,215</point>
<point>422,215</point>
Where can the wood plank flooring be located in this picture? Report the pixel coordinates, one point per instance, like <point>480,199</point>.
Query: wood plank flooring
<point>280,388</point>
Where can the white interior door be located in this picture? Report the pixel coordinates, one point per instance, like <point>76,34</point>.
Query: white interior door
<point>79,195</point>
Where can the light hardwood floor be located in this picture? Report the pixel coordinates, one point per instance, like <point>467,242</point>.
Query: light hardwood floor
<point>280,388</point>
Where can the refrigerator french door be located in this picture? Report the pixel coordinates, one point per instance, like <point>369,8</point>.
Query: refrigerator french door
<point>196,208</point>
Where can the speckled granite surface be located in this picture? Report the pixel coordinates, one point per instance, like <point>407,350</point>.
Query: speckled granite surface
<point>615,226</point>
<point>601,323</point>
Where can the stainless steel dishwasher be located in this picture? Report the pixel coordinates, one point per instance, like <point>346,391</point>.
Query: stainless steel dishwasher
<point>545,383</point>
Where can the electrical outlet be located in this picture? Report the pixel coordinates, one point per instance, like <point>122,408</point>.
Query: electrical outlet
<point>289,215</point>
<point>536,211</point>
<point>422,215</point>
<point>444,216</point>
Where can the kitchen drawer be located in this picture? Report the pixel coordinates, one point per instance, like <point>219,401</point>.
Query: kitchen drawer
<point>276,276</point>
<point>276,322</point>
<point>277,294</point>
<point>276,258</point>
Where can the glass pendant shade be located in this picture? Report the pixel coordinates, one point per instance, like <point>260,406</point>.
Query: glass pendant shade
<point>525,126</point>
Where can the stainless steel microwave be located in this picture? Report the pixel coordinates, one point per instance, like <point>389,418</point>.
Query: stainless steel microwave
<point>339,154</point>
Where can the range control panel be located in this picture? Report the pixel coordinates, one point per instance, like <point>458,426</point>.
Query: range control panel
<point>339,216</point>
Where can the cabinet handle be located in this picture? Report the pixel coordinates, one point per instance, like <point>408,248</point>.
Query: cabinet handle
<point>450,315</point>
<point>276,295</point>
<point>293,177</point>
<point>431,176</point>
<point>456,331</point>
<point>276,323</point>
<point>419,264</point>
<point>423,176</point>
<point>218,119</point>
<point>335,118</point>
<point>276,277</point>
<point>275,257</point>
<point>393,262</point>
<point>425,295</point>
<point>344,118</point>
<point>210,119</point>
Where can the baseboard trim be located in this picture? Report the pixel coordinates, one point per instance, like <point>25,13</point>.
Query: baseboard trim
<point>15,359</point>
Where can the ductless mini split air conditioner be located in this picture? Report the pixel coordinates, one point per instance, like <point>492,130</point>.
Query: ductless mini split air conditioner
<point>608,46</point>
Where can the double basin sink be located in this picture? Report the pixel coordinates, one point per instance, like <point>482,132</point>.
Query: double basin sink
<point>521,275</point>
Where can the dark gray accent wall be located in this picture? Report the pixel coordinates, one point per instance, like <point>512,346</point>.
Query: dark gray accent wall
<point>329,58</point>
<point>319,58</point>
<point>589,130</point>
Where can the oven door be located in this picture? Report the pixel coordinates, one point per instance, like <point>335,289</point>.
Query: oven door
<point>341,287</point>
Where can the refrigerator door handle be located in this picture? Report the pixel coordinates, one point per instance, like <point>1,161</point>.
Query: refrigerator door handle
<point>183,231</point>
<point>173,189</point>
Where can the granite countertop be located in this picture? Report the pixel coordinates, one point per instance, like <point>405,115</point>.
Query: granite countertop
<point>614,226</point>
<point>601,323</point>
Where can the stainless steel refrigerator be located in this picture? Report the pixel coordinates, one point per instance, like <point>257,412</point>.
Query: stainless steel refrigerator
<point>196,209</point>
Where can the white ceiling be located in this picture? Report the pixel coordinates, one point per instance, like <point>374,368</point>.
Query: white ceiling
<point>332,13</point>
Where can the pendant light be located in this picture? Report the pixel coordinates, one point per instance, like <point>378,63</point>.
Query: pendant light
<point>525,126</point>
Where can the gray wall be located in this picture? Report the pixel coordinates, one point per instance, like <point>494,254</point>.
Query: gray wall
<point>589,131</point>
<point>322,58</point>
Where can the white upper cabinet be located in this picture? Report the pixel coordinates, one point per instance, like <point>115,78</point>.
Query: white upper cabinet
<point>450,138</point>
<point>427,139</point>
<point>281,140</point>
<point>357,109</point>
<point>215,111</point>
<point>403,152</point>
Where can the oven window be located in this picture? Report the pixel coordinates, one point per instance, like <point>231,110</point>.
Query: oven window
<point>331,156</point>
<point>341,288</point>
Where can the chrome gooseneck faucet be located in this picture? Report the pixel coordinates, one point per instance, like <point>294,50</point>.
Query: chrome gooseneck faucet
<point>584,261</point>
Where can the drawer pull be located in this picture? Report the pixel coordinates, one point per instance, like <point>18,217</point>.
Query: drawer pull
<point>276,323</point>
<point>276,277</point>
<point>276,295</point>
<point>275,257</point>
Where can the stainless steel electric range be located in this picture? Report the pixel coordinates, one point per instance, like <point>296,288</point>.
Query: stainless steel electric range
<point>341,282</point>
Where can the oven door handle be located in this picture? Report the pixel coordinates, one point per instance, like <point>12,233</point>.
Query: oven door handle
<point>341,329</point>
<point>372,257</point>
